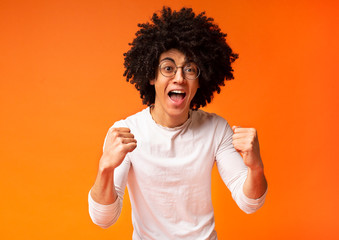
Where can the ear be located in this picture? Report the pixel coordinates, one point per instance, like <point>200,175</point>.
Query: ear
<point>152,81</point>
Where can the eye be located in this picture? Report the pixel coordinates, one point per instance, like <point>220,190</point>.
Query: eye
<point>167,67</point>
<point>190,69</point>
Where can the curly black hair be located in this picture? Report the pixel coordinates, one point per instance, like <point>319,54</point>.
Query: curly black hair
<point>197,36</point>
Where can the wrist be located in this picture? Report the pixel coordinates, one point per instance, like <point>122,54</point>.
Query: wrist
<point>256,170</point>
<point>104,165</point>
<point>104,169</point>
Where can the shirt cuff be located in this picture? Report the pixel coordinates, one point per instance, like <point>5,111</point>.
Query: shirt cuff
<point>253,201</point>
<point>104,215</point>
<point>102,207</point>
<point>250,205</point>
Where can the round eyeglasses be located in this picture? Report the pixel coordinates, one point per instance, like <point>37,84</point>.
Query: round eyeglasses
<point>169,69</point>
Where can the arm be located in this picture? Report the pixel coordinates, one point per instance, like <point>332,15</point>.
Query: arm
<point>245,141</point>
<point>237,175</point>
<point>104,201</point>
<point>103,190</point>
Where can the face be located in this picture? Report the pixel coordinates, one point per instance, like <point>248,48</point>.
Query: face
<point>173,92</point>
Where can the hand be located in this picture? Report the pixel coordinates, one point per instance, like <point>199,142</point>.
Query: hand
<point>119,142</point>
<point>245,141</point>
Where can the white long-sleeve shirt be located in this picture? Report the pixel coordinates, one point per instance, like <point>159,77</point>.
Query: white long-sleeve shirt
<point>168,177</point>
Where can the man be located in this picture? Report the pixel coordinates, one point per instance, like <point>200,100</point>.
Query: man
<point>165,153</point>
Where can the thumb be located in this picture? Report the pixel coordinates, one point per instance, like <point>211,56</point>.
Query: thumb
<point>235,127</point>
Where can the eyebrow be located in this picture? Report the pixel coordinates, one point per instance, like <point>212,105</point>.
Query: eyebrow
<point>168,58</point>
<point>172,60</point>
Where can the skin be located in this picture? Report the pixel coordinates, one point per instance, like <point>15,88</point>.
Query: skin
<point>119,142</point>
<point>245,141</point>
<point>165,112</point>
<point>168,113</point>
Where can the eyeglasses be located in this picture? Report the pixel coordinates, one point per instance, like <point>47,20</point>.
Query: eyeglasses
<point>169,69</point>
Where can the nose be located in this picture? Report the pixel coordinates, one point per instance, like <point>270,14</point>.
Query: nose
<point>179,76</point>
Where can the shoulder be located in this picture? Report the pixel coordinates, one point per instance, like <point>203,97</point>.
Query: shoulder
<point>133,120</point>
<point>201,117</point>
<point>211,123</point>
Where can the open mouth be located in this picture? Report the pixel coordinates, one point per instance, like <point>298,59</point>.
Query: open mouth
<point>177,95</point>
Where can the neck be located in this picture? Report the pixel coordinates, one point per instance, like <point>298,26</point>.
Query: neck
<point>166,120</point>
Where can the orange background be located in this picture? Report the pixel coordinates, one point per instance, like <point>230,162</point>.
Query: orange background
<point>61,69</point>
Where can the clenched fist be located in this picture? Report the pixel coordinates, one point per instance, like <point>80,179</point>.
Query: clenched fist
<point>119,142</point>
<point>245,141</point>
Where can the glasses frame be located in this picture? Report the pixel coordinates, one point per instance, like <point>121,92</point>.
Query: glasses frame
<point>176,69</point>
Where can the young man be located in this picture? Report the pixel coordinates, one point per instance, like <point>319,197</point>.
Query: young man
<point>165,153</point>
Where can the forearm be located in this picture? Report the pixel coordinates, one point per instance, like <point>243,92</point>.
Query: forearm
<point>103,190</point>
<point>255,184</point>
<point>104,207</point>
<point>104,203</point>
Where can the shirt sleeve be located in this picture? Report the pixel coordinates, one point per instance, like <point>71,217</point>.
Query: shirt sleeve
<point>233,171</point>
<point>106,215</point>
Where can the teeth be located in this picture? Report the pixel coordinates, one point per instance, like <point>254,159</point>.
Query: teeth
<point>177,92</point>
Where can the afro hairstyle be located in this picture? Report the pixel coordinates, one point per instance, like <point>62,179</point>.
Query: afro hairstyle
<point>196,36</point>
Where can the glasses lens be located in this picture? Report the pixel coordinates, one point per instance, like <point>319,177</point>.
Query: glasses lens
<point>167,68</point>
<point>191,71</point>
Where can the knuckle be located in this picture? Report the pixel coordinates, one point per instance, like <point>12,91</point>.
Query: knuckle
<point>116,134</point>
<point>120,140</point>
<point>254,131</point>
<point>112,130</point>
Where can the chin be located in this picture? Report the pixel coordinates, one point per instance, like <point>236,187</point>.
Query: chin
<point>178,111</point>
